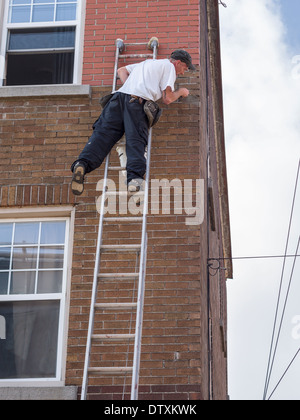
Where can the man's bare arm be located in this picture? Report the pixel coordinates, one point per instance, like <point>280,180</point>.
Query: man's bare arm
<point>169,96</point>
<point>123,74</point>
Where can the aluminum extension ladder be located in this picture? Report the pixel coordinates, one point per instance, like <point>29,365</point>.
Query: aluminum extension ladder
<point>138,306</point>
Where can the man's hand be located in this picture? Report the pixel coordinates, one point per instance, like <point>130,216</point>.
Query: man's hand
<point>169,96</point>
<point>184,92</point>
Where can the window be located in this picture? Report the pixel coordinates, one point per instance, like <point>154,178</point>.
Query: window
<point>21,11</point>
<point>40,56</point>
<point>41,42</point>
<point>33,267</point>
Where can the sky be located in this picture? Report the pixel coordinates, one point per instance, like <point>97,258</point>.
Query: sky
<point>260,47</point>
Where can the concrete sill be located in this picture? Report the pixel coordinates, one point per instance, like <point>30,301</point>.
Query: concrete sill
<point>38,393</point>
<point>44,91</point>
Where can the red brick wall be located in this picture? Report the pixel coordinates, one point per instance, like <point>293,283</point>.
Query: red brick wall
<point>174,22</point>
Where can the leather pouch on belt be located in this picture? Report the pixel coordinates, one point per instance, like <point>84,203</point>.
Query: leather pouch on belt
<point>153,112</point>
<point>105,99</point>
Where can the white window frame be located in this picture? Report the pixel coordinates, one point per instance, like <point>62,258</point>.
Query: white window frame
<point>79,24</point>
<point>63,297</point>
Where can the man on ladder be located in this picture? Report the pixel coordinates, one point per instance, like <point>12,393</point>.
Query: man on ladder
<point>132,109</point>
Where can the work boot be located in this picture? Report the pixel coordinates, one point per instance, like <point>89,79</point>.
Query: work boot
<point>136,190</point>
<point>136,185</point>
<point>77,184</point>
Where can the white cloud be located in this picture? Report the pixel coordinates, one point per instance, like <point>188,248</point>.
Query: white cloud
<point>262,129</point>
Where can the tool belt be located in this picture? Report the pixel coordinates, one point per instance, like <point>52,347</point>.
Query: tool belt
<point>151,109</point>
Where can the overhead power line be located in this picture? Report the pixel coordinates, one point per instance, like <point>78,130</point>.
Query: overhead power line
<point>285,372</point>
<point>214,265</point>
<point>252,257</point>
<point>271,359</point>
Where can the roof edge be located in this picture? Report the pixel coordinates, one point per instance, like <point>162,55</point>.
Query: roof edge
<point>217,100</point>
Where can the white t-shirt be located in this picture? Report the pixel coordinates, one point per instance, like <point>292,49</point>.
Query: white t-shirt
<point>149,79</point>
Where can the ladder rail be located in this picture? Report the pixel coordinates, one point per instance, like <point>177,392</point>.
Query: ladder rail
<point>142,275</point>
<point>119,49</point>
<point>142,278</point>
<point>95,287</point>
<point>139,326</point>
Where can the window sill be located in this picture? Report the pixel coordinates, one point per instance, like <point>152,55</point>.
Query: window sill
<point>44,90</point>
<point>39,393</point>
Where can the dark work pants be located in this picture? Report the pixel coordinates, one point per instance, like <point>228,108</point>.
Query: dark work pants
<point>117,117</point>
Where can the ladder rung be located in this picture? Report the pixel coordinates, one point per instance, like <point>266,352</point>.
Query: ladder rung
<point>118,276</point>
<point>121,248</point>
<point>136,55</point>
<point>123,219</point>
<point>116,305</point>
<point>117,168</point>
<point>110,370</point>
<point>136,43</point>
<point>113,337</point>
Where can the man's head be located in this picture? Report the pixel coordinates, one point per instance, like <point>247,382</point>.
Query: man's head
<point>182,61</point>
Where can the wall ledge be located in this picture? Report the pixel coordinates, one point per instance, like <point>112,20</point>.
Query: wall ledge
<point>44,91</point>
<point>38,393</point>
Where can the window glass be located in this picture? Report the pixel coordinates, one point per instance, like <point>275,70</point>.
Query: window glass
<point>32,68</point>
<point>32,267</point>
<point>35,39</point>
<point>26,233</point>
<point>30,347</point>
<point>24,258</point>
<point>22,283</point>
<point>3,282</point>
<point>20,14</point>
<point>25,11</point>
<point>40,69</point>
<point>42,13</point>
<point>65,12</point>
<point>14,2</point>
<point>6,233</point>
<point>33,262</point>
<point>5,258</point>
<point>50,282</point>
<point>54,62</point>
<point>43,1</point>
<point>53,233</point>
<point>51,257</point>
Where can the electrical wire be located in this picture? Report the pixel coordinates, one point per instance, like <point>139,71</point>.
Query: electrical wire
<point>215,269</point>
<point>270,364</point>
<point>285,372</point>
<point>282,316</point>
<point>254,257</point>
